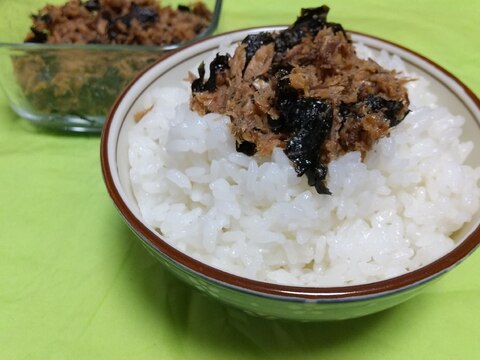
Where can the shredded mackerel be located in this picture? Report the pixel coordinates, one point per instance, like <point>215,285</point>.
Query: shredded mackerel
<point>304,90</point>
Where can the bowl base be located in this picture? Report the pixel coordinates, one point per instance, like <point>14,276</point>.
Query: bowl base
<point>63,122</point>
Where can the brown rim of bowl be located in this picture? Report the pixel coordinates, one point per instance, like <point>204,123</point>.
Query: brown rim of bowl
<point>344,293</point>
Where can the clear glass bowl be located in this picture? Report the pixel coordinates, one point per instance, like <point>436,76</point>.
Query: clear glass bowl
<point>70,87</point>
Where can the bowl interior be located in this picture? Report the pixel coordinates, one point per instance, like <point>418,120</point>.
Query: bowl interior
<point>172,70</point>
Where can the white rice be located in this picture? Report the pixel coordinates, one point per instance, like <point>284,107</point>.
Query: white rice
<point>255,218</point>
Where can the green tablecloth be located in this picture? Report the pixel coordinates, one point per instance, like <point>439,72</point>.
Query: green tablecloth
<point>76,284</point>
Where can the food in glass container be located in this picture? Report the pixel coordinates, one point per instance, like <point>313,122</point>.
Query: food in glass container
<point>127,22</point>
<point>93,48</point>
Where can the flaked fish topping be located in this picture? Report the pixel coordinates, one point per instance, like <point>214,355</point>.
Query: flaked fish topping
<point>304,90</point>
<point>126,22</point>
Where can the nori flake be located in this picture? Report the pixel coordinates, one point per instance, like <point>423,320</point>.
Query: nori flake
<point>143,14</point>
<point>254,42</point>
<point>310,21</point>
<point>308,122</point>
<point>183,8</point>
<point>92,5</point>
<point>311,119</point>
<point>219,64</point>
<point>390,108</point>
<point>39,37</point>
<point>246,147</point>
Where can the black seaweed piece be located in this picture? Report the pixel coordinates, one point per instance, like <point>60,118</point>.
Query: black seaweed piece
<point>287,39</point>
<point>286,95</point>
<point>47,19</point>
<point>112,31</point>
<point>315,19</point>
<point>219,64</point>
<point>92,5</point>
<point>311,120</point>
<point>254,42</point>
<point>126,19</point>
<point>316,177</point>
<point>246,147</point>
<point>338,28</point>
<point>390,108</point>
<point>183,8</point>
<point>106,15</point>
<point>277,125</point>
<point>312,18</point>
<point>310,21</point>
<point>143,14</point>
<point>198,84</point>
<point>346,111</point>
<point>39,37</point>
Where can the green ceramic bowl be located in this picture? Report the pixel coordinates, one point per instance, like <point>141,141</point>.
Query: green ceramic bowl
<point>265,299</point>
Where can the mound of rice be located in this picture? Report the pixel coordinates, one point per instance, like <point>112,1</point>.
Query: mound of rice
<point>254,217</point>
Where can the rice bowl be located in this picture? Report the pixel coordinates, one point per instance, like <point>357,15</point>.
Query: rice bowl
<point>303,253</point>
<point>254,217</point>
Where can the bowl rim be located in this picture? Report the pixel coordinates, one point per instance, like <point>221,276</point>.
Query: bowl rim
<point>297,293</point>
<point>217,8</point>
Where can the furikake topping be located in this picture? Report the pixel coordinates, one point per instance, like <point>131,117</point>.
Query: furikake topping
<point>302,89</point>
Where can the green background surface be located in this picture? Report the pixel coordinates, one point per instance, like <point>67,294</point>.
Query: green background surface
<point>75,283</point>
